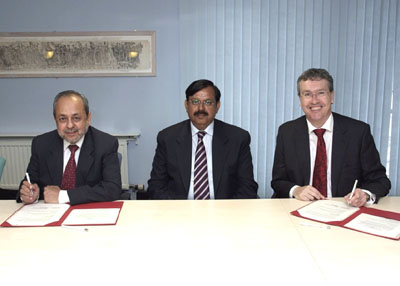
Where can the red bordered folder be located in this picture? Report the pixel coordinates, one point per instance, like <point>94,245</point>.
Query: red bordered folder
<point>362,210</point>
<point>98,205</point>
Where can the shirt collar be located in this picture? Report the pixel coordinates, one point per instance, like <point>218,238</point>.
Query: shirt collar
<point>79,143</point>
<point>328,125</point>
<point>209,130</point>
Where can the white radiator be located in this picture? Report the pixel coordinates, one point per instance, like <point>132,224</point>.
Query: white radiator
<point>16,149</point>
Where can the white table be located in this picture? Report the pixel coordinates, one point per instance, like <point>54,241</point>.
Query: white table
<point>236,242</point>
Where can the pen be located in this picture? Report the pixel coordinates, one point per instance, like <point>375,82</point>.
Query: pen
<point>354,188</point>
<point>315,225</point>
<point>29,181</point>
<point>85,229</point>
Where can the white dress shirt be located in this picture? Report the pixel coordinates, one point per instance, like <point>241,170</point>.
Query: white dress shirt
<point>207,140</point>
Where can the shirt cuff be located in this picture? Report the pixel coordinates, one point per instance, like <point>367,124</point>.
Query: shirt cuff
<point>292,190</point>
<point>372,197</point>
<point>63,197</point>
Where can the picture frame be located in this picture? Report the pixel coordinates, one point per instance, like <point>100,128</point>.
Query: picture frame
<point>77,54</point>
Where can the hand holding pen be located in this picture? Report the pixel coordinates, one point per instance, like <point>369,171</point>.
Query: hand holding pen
<point>29,193</point>
<point>357,197</point>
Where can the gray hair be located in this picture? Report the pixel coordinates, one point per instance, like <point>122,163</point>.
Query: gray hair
<point>66,93</point>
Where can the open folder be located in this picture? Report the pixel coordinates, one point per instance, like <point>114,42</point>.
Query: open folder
<point>41,214</point>
<point>367,220</point>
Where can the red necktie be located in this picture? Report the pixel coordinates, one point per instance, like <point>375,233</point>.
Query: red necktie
<point>201,188</point>
<point>69,177</point>
<point>320,167</point>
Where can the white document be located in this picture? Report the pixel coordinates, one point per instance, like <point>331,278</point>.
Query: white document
<point>327,210</point>
<point>376,225</point>
<point>92,216</point>
<point>38,214</point>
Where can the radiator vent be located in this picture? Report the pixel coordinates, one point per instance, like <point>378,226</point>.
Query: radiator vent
<point>16,149</point>
<point>17,153</point>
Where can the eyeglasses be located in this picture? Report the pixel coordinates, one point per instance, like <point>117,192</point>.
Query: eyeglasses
<point>318,94</point>
<point>63,119</point>
<point>207,102</point>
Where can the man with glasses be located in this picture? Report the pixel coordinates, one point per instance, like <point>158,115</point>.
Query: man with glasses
<point>76,163</point>
<point>202,157</point>
<point>325,154</point>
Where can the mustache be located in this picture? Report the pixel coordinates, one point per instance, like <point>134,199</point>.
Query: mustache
<point>201,112</point>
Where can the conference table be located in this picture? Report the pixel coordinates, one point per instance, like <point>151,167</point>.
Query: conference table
<point>224,242</point>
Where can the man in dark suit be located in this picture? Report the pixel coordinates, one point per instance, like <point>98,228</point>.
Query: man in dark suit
<point>350,150</point>
<point>93,154</point>
<point>223,153</point>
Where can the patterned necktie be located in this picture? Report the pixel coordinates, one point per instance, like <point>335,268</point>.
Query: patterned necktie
<point>69,177</point>
<point>201,189</point>
<point>320,167</point>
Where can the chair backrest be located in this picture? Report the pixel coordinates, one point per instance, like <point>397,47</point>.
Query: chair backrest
<point>120,159</point>
<point>2,163</point>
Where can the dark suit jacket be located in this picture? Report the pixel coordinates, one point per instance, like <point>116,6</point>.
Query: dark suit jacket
<point>232,163</point>
<point>98,175</point>
<point>354,156</point>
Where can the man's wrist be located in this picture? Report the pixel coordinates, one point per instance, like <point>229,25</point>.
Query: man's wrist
<point>291,195</point>
<point>371,197</point>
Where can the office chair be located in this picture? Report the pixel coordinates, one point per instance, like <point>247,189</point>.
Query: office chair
<point>2,163</point>
<point>125,194</point>
<point>120,159</point>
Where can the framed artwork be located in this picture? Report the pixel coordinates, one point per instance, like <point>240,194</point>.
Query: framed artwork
<point>77,54</point>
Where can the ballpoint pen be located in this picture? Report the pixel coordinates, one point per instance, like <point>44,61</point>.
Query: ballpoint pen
<point>352,191</point>
<point>29,181</point>
<point>315,225</point>
<point>78,228</point>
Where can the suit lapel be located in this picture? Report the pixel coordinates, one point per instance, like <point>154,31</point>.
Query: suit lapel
<point>219,152</point>
<point>184,154</point>
<point>302,147</point>
<point>86,159</point>
<point>339,142</point>
<point>55,160</point>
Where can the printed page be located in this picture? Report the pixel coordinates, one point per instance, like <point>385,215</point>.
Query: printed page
<point>376,225</point>
<point>92,216</point>
<point>327,210</point>
<point>38,214</point>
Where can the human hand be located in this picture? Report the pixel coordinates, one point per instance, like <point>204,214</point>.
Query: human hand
<point>29,193</point>
<point>307,193</point>
<point>51,194</point>
<point>358,199</point>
